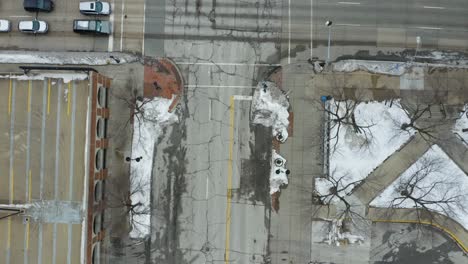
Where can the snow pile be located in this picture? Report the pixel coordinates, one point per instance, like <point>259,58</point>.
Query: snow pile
<point>380,67</point>
<point>435,177</point>
<point>355,155</point>
<point>278,173</point>
<point>270,109</point>
<point>67,77</point>
<point>66,58</point>
<point>336,235</point>
<point>462,123</point>
<point>147,128</point>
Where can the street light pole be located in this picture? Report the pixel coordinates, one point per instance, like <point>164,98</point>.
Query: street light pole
<point>328,24</point>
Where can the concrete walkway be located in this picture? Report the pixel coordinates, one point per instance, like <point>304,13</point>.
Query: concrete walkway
<point>391,169</point>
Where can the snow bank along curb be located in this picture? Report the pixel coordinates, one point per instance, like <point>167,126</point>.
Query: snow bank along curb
<point>461,124</point>
<point>278,173</point>
<point>394,68</point>
<point>147,128</point>
<point>270,109</point>
<point>66,58</point>
<point>67,77</point>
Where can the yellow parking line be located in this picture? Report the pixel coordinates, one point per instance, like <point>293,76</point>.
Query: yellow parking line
<point>9,100</point>
<point>48,98</point>
<point>69,93</point>
<point>452,235</point>
<point>229,181</point>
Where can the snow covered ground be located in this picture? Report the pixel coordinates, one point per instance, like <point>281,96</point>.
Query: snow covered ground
<point>270,109</point>
<point>355,157</point>
<point>451,182</point>
<point>462,123</point>
<point>147,128</point>
<point>66,58</point>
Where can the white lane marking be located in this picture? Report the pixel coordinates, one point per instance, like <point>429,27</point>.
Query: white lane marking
<point>20,16</point>
<point>219,86</point>
<point>110,45</point>
<point>289,31</point>
<point>349,3</point>
<point>121,25</point>
<point>225,63</point>
<point>243,97</point>
<point>349,25</point>
<point>434,7</point>
<point>431,28</point>
<point>311,26</point>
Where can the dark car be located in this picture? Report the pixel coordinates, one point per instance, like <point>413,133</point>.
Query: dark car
<point>38,5</point>
<point>92,26</point>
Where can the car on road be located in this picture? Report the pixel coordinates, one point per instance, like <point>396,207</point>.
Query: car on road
<point>95,8</point>
<point>38,5</point>
<point>33,26</point>
<point>5,25</point>
<point>92,26</point>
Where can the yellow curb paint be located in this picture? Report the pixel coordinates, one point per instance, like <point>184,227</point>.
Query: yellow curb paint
<point>27,235</point>
<point>9,233</point>
<point>229,181</point>
<point>452,235</point>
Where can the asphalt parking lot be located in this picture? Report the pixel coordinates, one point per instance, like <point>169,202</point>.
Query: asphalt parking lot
<point>42,135</point>
<point>126,23</point>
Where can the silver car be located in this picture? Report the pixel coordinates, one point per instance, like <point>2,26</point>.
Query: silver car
<point>95,8</point>
<point>33,26</point>
<point>5,25</point>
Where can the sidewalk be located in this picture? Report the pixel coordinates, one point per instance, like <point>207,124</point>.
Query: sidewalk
<point>162,78</point>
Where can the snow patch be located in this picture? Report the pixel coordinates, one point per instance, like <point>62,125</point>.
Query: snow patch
<point>66,58</point>
<point>147,128</point>
<point>451,182</point>
<point>278,176</point>
<point>462,123</point>
<point>380,67</point>
<point>67,77</point>
<point>270,108</point>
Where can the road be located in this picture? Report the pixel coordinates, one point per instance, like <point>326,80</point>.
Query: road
<point>374,25</point>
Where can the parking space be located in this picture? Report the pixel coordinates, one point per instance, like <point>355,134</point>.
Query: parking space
<point>127,31</point>
<point>43,140</point>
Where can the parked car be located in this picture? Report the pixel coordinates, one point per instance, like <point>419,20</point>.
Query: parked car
<point>95,8</point>
<point>33,26</point>
<point>38,5</point>
<point>92,26</point>
<point>5,25</point>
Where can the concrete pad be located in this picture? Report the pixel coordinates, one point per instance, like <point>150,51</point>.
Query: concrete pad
<point>390,37</point>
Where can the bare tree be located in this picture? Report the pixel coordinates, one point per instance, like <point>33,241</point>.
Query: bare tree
<point>421,120</point>
<point>428,192</point>
<point>336,190</point>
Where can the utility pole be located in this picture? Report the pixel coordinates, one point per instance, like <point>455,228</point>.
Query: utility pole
<point>328,24</point>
